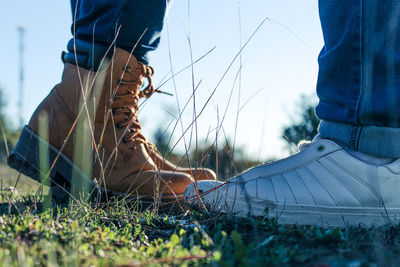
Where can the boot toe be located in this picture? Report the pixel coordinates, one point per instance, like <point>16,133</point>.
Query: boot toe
<point>174,182</point>
<point>204,174</point>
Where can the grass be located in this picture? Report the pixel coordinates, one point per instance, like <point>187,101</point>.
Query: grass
<point>120,234</point>
<point>9,177</point>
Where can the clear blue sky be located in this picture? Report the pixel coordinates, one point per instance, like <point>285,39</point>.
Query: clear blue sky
<point>281,61</point>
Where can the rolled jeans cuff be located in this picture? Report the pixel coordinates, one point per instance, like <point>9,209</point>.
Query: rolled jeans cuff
<point>378,141</point>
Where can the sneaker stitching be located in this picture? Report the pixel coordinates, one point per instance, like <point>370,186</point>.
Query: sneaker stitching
<point>291,190</point>
<point>308,189</point>
<point>315,178</point>
<point>288,169</point>
<point>327,169</point>
<point>380,199</point>
<point>273,187</point>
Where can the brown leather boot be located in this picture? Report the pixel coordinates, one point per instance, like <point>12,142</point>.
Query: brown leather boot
<point>120,160</point>
<point>162,163</point>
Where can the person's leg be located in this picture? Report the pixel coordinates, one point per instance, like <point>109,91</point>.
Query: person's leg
<point>122,157</point>
<point>358,82</point>
<point>328,183</point>
<point>134,26</point>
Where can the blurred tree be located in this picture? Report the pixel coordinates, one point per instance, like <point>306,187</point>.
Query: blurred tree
<point>228,163</point>
<point>225,161</point>
<point>8,136</point>
<point>2,106</point>
<point>305,126</point>
<point>162,143</point>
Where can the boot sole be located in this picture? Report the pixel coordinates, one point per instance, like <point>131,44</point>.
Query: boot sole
<point>25,159</point>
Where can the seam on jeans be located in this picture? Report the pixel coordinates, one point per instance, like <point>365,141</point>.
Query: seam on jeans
<point>357,148</point>
<point>361,55</point>
<point>113,29</point>
<point>354,134</point>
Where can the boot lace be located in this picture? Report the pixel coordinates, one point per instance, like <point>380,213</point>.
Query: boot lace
<point>132,97</point>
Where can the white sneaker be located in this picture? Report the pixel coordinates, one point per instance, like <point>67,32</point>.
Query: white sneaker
<point>321,185</point>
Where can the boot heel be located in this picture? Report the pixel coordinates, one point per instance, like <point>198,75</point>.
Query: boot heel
<point>25,159</point>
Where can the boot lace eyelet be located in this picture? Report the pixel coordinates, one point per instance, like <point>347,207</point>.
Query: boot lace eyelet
<point>320,148</point>
<point>127,69</point>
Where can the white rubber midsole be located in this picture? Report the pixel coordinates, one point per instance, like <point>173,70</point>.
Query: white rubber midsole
<point>313,215</point>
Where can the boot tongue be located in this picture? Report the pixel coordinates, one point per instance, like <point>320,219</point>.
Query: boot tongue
<point>127,95</point>
<point>126,105</point>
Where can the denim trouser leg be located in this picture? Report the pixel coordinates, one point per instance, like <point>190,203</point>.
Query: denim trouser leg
<point>134,24</point>
<point>359,77</point>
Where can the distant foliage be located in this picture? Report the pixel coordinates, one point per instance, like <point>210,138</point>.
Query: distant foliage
<point>162,141</point>
<point>8,136</point>
<point>228,162</point>
<point>222,158</point>
<point>303,127</point>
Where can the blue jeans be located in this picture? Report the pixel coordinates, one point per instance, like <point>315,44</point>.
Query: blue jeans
<point>132,25</point>
<point>359,77</point>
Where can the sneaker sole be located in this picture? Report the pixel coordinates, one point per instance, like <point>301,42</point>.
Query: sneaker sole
<point>25,159</point>
<point>319,215</point>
